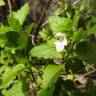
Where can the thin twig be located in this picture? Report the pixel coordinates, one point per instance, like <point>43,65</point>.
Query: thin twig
<point>74,3</point>
<point>86,74</point>
<point>32,74</point>
<point>10,7</point>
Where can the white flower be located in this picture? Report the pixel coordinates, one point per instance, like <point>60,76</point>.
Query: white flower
<point>61,42</point>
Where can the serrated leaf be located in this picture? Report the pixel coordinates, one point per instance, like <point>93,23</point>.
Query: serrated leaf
<point>21,14</point>
<point>4,29</point>
<point>60,24</point>
<point>51,74</point>
<point>44,92</point>
<point>86,51</point>
<point>45,51</point>
<point>2,3</point>
<point>10,74</point>
<point>20,88</point>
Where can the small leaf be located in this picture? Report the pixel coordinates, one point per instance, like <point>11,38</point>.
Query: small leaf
<point>51,74</point>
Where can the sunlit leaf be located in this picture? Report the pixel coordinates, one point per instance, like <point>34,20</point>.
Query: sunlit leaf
<point>51,74</point>
<point>20,88</point>
<point>45,51</point>
<point>46,92</point>
<point>59,24</point>
<point>4,29</point>
<point>2,3</point>
<point>21,14</point>
<point>10,74</point>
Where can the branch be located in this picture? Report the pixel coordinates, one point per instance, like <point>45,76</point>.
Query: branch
<point>39,23</point>
<point>88,73</point>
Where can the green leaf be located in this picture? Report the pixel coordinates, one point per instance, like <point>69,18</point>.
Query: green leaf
<point>12,38</point>
<point>74,61</point>
<point>4,29</point>
<point>21,58</point>
<point>22,41</point>
<point>28,30</point>
<point>45,51</point>
<point>20,88</point>
<point>10,74</point>
<point>3,68</point>
<point>14,23</point>
<point>60,24</point>
<point>86,51</point>
<point>24,37</point>
<point>3,40</point>
<point>51,74</point>
<point>46,92</point>
<point>75,20</point>
<point>92,30</point>
<point>6,56</point>
<point>79,35</point>
<point>2,3</point>
<point>21,14</point>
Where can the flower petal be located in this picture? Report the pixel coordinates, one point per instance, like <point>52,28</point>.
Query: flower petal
<point>60,45</point>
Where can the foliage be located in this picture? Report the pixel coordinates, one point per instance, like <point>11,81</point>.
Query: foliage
<point>17,89</point>
<point>38,69</point>
<point>48,51</point>
<point>60,24</point>
<point>50,75</point>
<point>2,3</point>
